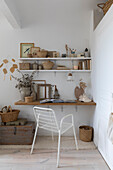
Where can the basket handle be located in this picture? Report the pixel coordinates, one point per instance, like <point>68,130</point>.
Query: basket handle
<point>101,5</point>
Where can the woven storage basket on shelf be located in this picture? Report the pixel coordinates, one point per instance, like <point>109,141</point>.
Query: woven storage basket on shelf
<point>105,6</point>
<point>86,133</point>
<point>48,65</point>
<point>9,116</point>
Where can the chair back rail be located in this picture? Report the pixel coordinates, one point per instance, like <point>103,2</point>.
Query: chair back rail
<point>46,119</point>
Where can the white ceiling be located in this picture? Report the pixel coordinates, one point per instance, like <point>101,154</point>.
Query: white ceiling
<point>31,11</point>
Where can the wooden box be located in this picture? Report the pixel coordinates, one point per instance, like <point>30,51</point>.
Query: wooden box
<point>17,135</point>
<point>24,66</point>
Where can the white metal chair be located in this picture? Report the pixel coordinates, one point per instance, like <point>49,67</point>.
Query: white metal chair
<point>46,119</point>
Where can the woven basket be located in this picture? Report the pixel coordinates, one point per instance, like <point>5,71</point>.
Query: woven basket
<point>28,99</point>
<point>41,54</point>
<point>105,6</point>
<point>9,116</point>
<point>48,65</point>
<point>86,133</point>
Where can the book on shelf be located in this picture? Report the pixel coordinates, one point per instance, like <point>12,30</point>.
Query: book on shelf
<point>84,65</point>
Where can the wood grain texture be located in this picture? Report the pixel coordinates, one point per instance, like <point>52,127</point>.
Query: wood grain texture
<point>17,135</point>
<point>38,103</point>
<point>46,160</point>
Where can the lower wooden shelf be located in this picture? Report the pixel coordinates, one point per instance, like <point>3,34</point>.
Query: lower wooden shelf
<point>38,103</point>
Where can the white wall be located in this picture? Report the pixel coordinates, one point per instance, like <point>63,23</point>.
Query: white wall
<point>49,24</point>
<point>102,83</point>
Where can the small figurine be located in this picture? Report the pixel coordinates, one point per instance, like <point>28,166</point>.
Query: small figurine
<point>56,94</point>
<point>86,52</point>
<point>70,52</point>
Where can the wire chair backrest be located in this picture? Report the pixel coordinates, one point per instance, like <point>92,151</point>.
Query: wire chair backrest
<point>46,119</point>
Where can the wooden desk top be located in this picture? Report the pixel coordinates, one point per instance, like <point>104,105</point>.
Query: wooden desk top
<point>60,104</point>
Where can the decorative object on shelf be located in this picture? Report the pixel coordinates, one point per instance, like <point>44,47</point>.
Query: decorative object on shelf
<point>62,67</point>
<point>51,54</point>
<point>63,55</point>
<point>70,52</point>
<point>86,133</point>
<point>43,91</point>
<point>34,51</point>
<point>80,90</point>
<point>70,77</point>
<point>75,67</point>
<point>8,115</point>
<point>40,66</point>
<point>24,66</point>
<point>84,98</point>
<point>40,54</point>
<point>105,6</point>
<point>56,95</point>
<point>25,84</point>
<point>25,49</point>
<point>66,47</point>
<point>86,52</point>
<point>35,66</point>
<point>25,91</point>
<point>29,55</point>
<point>28,99</point>
<point>48,65</point>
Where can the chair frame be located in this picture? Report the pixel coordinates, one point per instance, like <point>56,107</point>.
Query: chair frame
<point>59,128</point>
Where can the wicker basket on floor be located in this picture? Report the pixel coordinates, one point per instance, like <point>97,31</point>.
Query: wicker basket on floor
<point>9,116</point>
<point>105,6</point>
<point>86,133</point>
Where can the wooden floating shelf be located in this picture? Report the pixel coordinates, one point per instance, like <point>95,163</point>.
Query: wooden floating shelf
<point>68,58</point>
<point>78,71</point>
<point>60,104</point>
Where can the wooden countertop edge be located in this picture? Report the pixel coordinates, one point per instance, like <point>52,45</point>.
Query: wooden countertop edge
<point>60,104</point>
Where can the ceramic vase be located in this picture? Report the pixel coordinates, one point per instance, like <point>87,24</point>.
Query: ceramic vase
<point>24,92</point>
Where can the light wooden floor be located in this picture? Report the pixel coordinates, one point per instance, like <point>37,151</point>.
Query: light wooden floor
<point>46,160</point>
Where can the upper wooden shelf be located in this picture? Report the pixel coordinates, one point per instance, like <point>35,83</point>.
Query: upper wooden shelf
<point>60,58</point>
<point>38,103</point>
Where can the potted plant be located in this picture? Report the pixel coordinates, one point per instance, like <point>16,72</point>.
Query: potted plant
<point>25,84</point>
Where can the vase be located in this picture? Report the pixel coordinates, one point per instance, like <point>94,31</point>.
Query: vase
<point>24,92</point>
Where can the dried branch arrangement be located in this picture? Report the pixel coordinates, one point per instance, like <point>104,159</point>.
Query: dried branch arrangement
<point>25,81</point>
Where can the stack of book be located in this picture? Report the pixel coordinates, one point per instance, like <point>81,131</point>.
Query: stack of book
<point>84,65</point>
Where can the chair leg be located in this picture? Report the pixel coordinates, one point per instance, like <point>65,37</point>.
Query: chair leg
<point>34,139</point>
<point>58,155</point>
<point>75,137</point>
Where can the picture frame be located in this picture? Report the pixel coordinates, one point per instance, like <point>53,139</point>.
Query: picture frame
<point>25,48</point>
<point>43,91</point>
<point>38,82</point>
<point>35,50</point>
